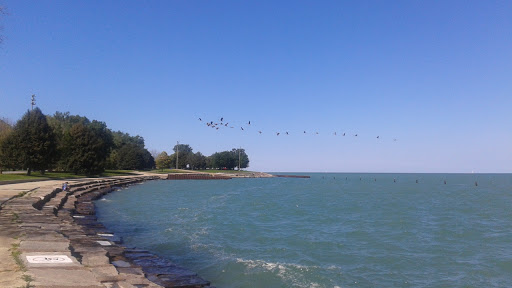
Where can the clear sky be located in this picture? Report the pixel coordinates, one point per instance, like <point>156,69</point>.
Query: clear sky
<point>434,75</point>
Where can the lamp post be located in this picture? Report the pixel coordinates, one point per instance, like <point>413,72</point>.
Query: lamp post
<point>33,102</point>
<point>177,153</point>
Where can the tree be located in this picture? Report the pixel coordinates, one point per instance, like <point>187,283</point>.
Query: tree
<point>197,161</point>
<point>183,148</point>
<point>223,160</point>
<point>182,152</point>
<point>87,147</point>
<point>121,139</point>
<point>229,159</point>
<point>134,157</point>
<point>163,160</point>
<point>5,131</point>
<point>35,141</point>
<point>242,157</point>
<point>129,153</point>
<point>61,124</point>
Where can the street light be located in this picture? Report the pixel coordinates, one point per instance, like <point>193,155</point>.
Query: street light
<point>33,101</point>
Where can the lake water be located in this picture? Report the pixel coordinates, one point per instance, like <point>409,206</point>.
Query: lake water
<point>332,230</point>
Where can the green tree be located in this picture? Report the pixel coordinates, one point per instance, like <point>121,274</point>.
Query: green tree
<point>240,156</point>
<point>35,141</point>
<point>87,147</point>
<point>5,131</point>
<point>183,148</point>
<point>61,124</point>
<point>129,153</point>
<point>121,139</point>
<point>197,161</point>
<point>228,159</point>
<point>182,152</point>
<point>163,161</point>
<point>133,157</point>
<point>223,160</point>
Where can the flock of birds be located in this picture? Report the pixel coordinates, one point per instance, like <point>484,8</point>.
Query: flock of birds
<point>221,124</point>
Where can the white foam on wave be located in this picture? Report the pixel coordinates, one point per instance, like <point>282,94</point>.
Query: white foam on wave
<point>288,272</point>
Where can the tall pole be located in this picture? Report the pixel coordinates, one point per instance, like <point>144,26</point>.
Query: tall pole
<point>239,150</point>
<point>33,101</point>
<point>177,153</point>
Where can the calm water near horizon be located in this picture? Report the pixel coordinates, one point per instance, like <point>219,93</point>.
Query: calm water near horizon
<point>332,230</point>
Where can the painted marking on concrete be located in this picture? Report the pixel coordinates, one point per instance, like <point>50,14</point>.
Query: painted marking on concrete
<point>78,216</point>
<point>104,243</point>
<point>105,234</point>
<point>49,259</point>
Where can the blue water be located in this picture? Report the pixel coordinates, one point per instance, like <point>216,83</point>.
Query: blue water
<point>332,230</point>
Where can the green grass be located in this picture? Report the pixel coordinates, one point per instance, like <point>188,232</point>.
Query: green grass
<point>109,173</point>
<point>61,175</point>
<point>16,254</point>
<point>9,177</point>
<point>223,171</point>
<point>167,171</point>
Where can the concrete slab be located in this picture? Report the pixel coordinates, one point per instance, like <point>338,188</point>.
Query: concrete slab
<point>10,273</point>
<point>95,259</point>
<point>57,277</point>
<point>121,263</point>
<point>44,246</point>
<point>106,273</point>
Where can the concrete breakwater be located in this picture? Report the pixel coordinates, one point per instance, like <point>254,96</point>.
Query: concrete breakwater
<point>216,176</point>
<point>197,176</point>
<point>61,244</point>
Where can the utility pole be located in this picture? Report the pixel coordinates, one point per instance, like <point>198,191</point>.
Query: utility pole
<point>177,153</point>
<point>33,101</point>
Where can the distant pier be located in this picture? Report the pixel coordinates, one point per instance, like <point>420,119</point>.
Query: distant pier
<point>197,176</point>
<point>293,176</point>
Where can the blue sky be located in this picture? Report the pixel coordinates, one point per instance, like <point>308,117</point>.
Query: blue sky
<point>435,75</point>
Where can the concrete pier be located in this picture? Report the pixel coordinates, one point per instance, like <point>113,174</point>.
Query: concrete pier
<point>50,238</point>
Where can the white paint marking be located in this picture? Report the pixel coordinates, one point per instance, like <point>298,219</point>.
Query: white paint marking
<point>49,259</point>
<point>104,243</point>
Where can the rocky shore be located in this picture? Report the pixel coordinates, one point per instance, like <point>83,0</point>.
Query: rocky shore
<point>50,238</point>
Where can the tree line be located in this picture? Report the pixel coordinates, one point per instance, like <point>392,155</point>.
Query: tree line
<point>187,159</point>
<point>71,143</point>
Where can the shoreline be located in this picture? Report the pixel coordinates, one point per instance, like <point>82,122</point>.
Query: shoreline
<point>51,238</point>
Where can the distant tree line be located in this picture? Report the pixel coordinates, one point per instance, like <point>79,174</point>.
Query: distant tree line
<point>72,143</point>
<point>187,159</point>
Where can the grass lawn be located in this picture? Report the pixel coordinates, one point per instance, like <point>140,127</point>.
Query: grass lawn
<point>109,173</point>
<point>167,171</point>
<point>10,177</point>
<point>60,175</point>
<point>223,171</point>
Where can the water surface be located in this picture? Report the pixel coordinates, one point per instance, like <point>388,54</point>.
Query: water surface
<point>332,230</point>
